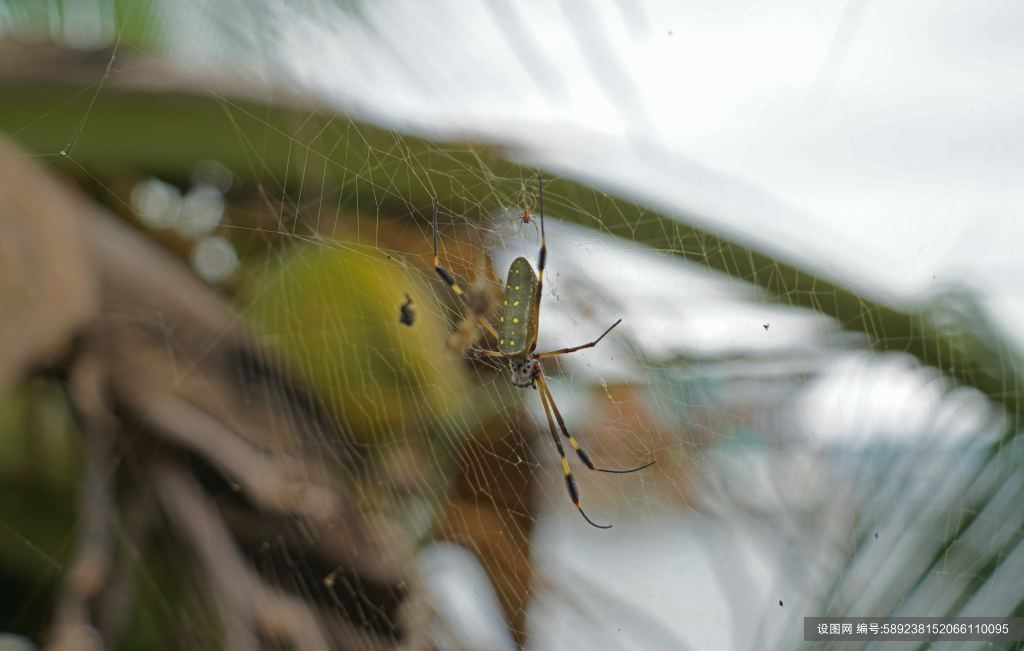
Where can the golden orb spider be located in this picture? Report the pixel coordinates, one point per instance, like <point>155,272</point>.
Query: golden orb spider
<point>519,317</point>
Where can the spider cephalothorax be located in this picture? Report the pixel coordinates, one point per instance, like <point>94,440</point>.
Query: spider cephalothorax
<point>525,371</point>
<point>518,320</point>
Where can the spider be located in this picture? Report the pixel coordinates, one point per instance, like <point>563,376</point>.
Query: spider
<point>518,319</point>
<point>526,216</point>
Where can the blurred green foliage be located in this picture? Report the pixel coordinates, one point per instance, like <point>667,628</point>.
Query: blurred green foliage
<point>84,23</point>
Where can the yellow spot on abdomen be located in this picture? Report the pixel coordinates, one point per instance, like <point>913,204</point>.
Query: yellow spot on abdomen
<point>514,319</point>
<point>511,342</point>
<point>514,304</point>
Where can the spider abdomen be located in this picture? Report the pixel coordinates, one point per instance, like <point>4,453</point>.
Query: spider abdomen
<point>517,321</point>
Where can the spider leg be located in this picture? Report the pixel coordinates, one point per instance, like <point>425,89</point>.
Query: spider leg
<point>570,481</point>
<point>454,286</point>
<point>542,262</point>
<point>493,353</point>
<point>566,351</point>
<point>572,441</point>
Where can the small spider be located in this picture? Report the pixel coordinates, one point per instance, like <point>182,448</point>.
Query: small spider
<point>407,315</point>
<point>518,319</point>
<point>526,216</point>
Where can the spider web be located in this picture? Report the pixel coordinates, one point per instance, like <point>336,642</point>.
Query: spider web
<point>809,462</point>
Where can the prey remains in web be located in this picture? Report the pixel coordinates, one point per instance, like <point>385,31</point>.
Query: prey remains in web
<point>518,322</point>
